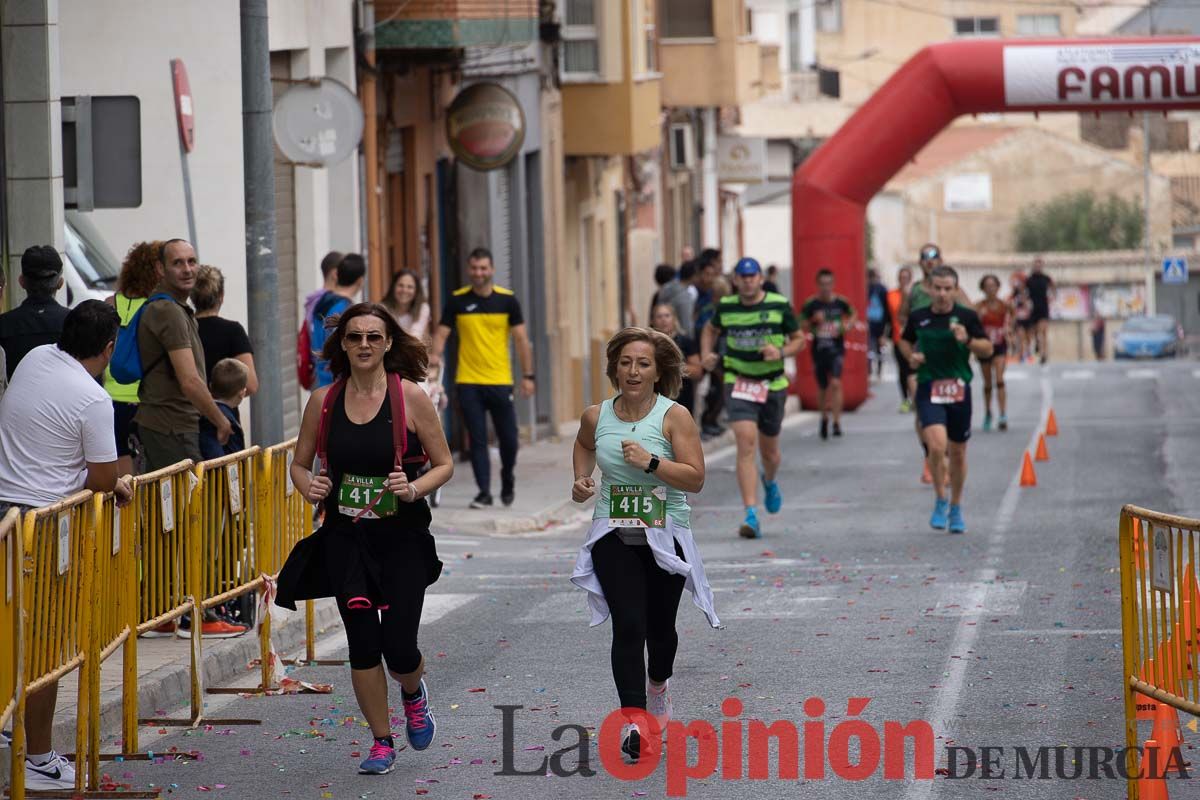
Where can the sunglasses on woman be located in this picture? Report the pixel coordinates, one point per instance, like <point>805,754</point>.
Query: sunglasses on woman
<point>373,338</point>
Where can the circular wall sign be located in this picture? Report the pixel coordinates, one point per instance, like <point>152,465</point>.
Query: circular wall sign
<point>485,126</point>
<point>317,124</point>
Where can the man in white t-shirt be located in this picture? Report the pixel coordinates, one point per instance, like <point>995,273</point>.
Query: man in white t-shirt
<point>56,438</point>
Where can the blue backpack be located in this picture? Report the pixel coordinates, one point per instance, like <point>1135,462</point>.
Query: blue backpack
<point>875,310</point>
<point>126,364</point>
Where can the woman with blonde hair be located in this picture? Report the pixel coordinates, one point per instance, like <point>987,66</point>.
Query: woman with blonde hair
<point>222,338</point>
<point>639,555</point>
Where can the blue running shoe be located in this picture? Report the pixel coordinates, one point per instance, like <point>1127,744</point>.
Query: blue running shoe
<point>940,509</point>
<point>380,760</point>
<point>750,529</point>
<point>419,723</point>
<point>773,499</point>
<point>957,524</point>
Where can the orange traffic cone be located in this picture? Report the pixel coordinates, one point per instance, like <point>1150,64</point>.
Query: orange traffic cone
<point>1151,785</point>
<point>1051,424</point>
<point>1166,733</point>
<point>1042,454</point>
<point>1028,476</point>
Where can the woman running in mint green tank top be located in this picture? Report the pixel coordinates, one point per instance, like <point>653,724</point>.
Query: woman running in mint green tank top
<point>639,554</point>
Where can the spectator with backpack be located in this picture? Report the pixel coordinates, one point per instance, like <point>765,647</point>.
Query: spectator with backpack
<point>306,365</point>
<point>351,272</point>
<point>173,393</point>
<point>135,283</point>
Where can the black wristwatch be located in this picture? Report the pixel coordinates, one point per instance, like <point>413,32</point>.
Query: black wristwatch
<point>653,466</point>
<point>530,377</point>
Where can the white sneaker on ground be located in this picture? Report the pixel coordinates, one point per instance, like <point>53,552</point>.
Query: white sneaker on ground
<point>658,703</point>
<point>57,773</point>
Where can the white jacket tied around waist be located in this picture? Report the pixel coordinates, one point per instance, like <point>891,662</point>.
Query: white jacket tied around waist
<point>662,544</point>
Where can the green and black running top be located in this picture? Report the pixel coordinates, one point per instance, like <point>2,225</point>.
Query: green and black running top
<point>747,329</point>
<point>827,321</point>
<point>930,334</point>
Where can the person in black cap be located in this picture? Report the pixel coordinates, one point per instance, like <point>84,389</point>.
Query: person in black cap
<point>38,320</point>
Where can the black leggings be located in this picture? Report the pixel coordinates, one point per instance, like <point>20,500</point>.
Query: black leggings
<point>643,599</point>
<point>905,371</point>
<point>392,634</point>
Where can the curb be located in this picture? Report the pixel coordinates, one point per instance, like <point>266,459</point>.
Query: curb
<point>169,686</point>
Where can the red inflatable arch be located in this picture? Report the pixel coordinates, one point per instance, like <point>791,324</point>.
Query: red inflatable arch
<point>830,191</point>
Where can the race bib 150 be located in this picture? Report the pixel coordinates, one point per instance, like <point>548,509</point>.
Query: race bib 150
<point>754,391</point>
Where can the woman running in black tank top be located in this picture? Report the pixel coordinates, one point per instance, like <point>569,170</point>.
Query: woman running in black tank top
<point>371,431</point>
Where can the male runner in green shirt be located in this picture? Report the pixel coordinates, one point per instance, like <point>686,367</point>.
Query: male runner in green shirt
<point>938,341</point>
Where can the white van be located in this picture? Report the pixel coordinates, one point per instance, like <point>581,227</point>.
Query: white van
<point>90,270</point>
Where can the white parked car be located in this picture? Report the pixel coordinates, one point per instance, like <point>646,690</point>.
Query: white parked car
<point>90,270</point>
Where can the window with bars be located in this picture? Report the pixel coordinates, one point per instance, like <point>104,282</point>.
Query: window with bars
<point>644,36</point>
<point>580,42</point>
<point>1038,25</point>
<point>829,16</point>
<point>976,26</point>
<point>686,19</point>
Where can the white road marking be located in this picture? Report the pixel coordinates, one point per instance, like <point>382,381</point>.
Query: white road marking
<point>1059,632</point>
<point>1141,374</point>
<point>996,599</point>
<point>1016,375</point>
<point>967,631</point>
<point>1078,374</point>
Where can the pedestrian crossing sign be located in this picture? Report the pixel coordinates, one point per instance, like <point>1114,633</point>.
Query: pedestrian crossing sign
<point>1175,270</point>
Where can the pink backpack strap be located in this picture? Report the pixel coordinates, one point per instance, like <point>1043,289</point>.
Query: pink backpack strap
<point>400,423</point>
<point>323,425</point>
<point>399,420</point>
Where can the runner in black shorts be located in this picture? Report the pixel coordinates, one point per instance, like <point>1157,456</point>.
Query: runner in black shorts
<point>938,340</point>
<point>1040,287</point>
<point>827,317</point>
<point>760,330</point>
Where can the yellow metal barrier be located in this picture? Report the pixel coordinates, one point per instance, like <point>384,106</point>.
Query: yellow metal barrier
<point>57,570</point>
<point>167,576</point>
<point>291,519</point>
<point>232,535</point>
<point>1160,621</point>
<point>12,633</point>
<point>114,623</point>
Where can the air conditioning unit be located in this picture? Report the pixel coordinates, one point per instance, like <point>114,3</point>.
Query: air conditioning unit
<point>683,146</point>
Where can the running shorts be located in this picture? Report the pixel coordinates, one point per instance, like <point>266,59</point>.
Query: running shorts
<point>956,417</point>
<point>827,364</point>
<point>768,415</point>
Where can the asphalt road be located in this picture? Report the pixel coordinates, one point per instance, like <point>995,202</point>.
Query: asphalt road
<point>1008,636</point>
